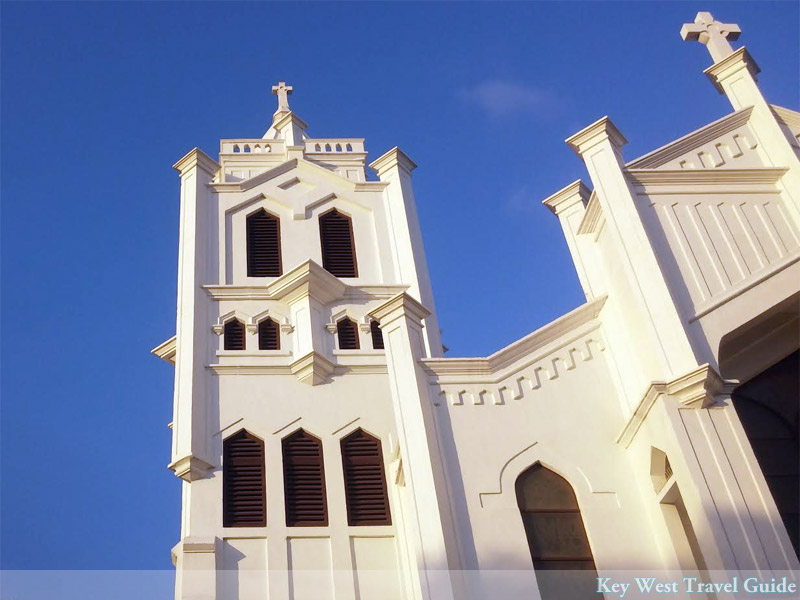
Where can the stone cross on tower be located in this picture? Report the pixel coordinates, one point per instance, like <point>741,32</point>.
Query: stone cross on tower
<point>282,91</point>
<point>713,34</point>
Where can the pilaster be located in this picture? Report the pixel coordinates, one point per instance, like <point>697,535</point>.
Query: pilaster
<point>636,285</point>
<point>395,168</point>
<point>735,76</point>
<point>195,568</point>
<point>569,205</point>
<point>431,535</point>
<point>191,457</point>
<point>737,523</point>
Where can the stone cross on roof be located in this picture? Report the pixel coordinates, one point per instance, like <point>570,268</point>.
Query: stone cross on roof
<point>713,34</point>
<point>282,91</point>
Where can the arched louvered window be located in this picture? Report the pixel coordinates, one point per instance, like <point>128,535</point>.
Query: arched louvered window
<point>269,335</point>
<point>377,335</point>
<point>556,535</point>
<point>233,332</point>
<point>304,481</point>
<point>263,245</point>
<point>243,486</point>
<point>338,246</point>
<point>364,480</point>
<point>347,332</point>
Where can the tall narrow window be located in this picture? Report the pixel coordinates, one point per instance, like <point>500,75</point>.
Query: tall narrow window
<point>556,536</point>
<point>364,480</point>
<point>263,245</point>
<point>233,333</point>
<point>347,332</point>
<point>243,486</point>
<point>304,481</point>
<point>269,335</point>
<point>377,335</point>
<point>338,247</point>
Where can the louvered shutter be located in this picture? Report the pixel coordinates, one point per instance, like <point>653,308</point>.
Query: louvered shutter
<point>347,331</point>
<point>304,481</point>
<point>268,335</point>
<point>243,486</point>
<point>234,335</point>
<point>364,480</point>
<point>338,247</point>
<point>377,335</point>
<point>263,245</point>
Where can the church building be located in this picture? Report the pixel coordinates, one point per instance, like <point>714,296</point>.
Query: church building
<point>328,449</point>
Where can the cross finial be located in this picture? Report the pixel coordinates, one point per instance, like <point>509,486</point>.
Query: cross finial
<point>713,34</point>
<point>282,91</point>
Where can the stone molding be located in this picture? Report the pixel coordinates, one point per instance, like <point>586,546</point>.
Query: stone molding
<point>167,350</point>
<point>730,65</point>
<point>599,131</point>
<point>391,159</point>
<point>692,140</point>
<point>190,468</point>
<point>401,305</point>
<point>196,158</point>
<point>567,197</point>
<point>699,388</point>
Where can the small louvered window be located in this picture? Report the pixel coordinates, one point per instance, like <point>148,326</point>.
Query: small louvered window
<point>243,487</point>
<point>234,335</point>
<point>377,335</point>
<point>304,481</point>
<point>268,335</point>
<point>338,247</point>
<point>347,332</point>
<point>364,480</point>
<point>263,245</point>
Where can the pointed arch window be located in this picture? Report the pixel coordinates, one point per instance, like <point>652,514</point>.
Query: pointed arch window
<point>269,335</point>
<point>768,409</point>
<point>263,245</point>
<point>243,485</point>
<point>304,480</point>
<point>233,334</point>
<point>338,246</point>
<point>377,335</point>
<point>556,535</point>
<point>364,480</point>
<point>347,332</point>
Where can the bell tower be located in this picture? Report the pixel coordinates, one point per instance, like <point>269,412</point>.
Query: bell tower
<point>291,449</point>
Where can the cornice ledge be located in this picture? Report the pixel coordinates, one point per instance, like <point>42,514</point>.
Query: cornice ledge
<point>307,279</point>
<point>516,350</point>
<point>397,307</point>
<point>698,388</point>
<point>190,468</point>
<point>196,157</point>
<point>599,131</point>
<point>701,387</point>
<point>312,369</point>
<point>287,118</point>
<point>593,217</point>
<point>199,544</point>
<point>729,65</point>
<point>789,116</point>
<point>690,141</point>
<point>706,176</point>
<point>241,186</point>
<point>392,158</point>
<point>166,351</point>
<point>567,197</point>
<point>370,186</point>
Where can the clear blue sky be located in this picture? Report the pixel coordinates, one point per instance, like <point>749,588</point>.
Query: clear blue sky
<point>100,99</point>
